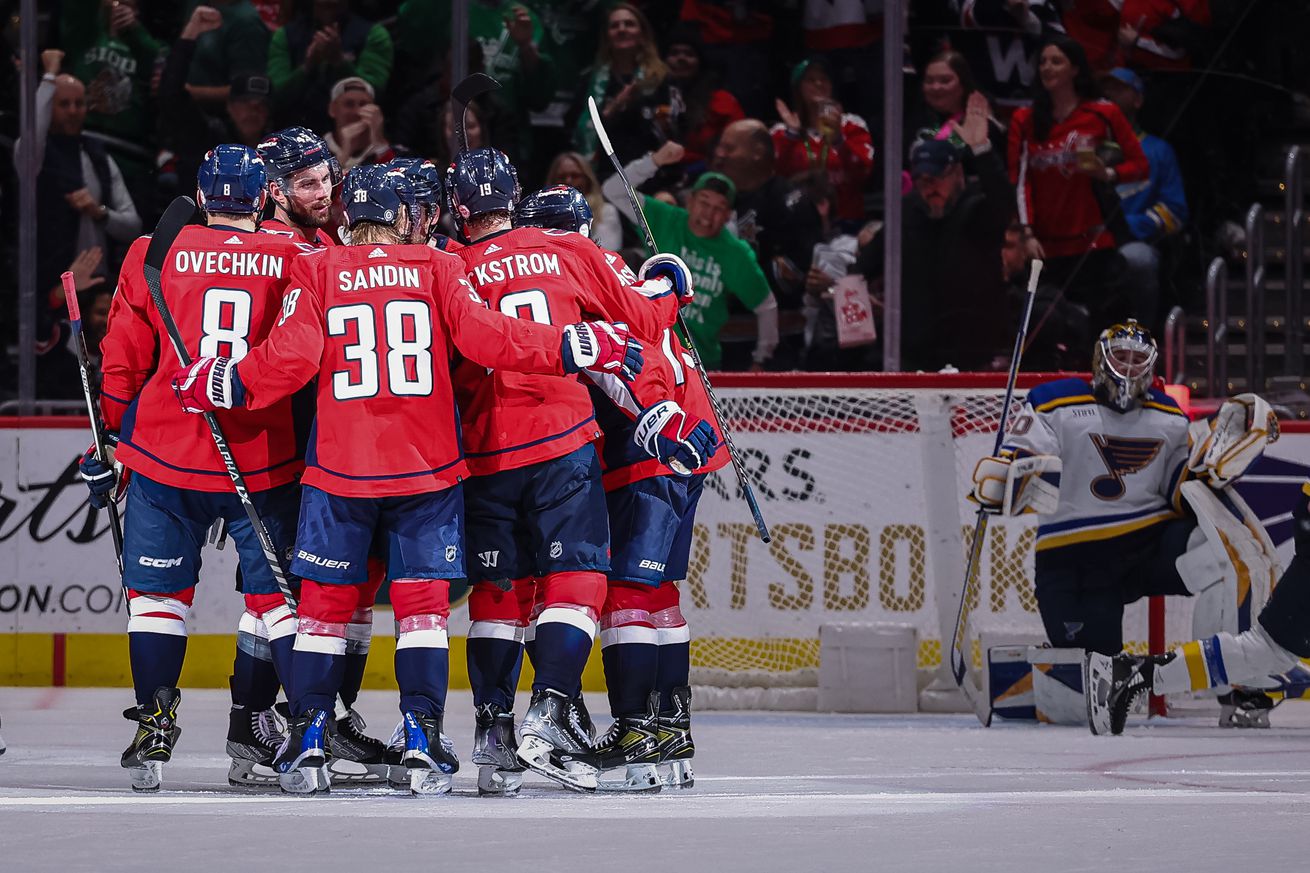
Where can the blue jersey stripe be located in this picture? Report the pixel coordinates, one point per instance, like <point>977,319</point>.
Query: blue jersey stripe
<point>591,419</point>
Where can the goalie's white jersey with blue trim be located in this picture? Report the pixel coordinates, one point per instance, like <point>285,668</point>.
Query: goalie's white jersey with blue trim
<point>1121,471</point>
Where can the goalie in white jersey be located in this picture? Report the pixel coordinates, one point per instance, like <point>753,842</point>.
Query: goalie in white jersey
<point>1107,463</point>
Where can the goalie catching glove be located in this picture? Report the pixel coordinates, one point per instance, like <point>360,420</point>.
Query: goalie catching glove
<point>674,270</point>
<point>675,437</point>
<point>1014,486</point>
<point>1225,446</point>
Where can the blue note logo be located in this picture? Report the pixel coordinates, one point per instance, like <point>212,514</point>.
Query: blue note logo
<point>1121,456</point>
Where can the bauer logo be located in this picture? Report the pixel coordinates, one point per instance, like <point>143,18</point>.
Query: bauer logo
<point>651,565</point>
<point>159,563</point>
<point>327,563</point>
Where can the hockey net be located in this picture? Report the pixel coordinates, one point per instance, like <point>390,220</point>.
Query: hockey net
<point>862,479</point>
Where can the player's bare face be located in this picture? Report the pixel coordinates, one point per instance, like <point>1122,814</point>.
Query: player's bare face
<point>942,90</point>
<point>309,196</point>
<point>623,31</point>
<point>707,213</point>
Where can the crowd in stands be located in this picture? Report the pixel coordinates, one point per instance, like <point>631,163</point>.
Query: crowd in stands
<point>752,129</point>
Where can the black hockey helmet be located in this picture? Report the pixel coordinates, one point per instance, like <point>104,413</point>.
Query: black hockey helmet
<point>377,193</point>
<point>293,149</point>
<point>560,207</point>
<point>479,182</point>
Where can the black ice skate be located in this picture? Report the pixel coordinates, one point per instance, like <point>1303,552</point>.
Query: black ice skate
<point>429,755</point>
<point>156,735</point>
<point>253,739</point>
<point>1245,708</point>
<point>500,773</point>
<point>354,758</point>
<point>555,744</point>
<point>1112,684</point>
<point>632,746</point>
<point>676,745</point>
<point>301,763</point>
<point>583,717</point>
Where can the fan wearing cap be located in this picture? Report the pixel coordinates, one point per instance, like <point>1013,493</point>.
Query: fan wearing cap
<point>357,135</point>
<point>721,264</point>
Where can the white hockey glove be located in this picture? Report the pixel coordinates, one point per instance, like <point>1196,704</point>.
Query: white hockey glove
<point>673,269</point>
<point>1225,446</point>
<point>1009,486</point>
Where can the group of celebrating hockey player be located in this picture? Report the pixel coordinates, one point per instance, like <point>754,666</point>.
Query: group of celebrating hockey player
<point>408,408</point>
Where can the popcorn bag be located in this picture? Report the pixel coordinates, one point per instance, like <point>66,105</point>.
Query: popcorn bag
<point>853,311</point>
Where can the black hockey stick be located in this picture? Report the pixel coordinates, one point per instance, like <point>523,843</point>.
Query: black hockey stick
<point>176,217</point>
<point>969,589</point>
<point>760,525</point>
<point>463,94</point>
<point>97,428</point>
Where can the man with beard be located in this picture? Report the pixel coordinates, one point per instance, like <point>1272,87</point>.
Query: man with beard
<point>301,176</point>
<point>953,300</point>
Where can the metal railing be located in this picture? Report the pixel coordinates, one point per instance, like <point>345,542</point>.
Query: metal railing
<point>1175,346</point>
<point>1216,328</point>
<point>1255,298</point>
<point>1294,215</point>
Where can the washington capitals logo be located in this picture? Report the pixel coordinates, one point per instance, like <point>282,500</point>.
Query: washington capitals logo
<point>1121,456</point>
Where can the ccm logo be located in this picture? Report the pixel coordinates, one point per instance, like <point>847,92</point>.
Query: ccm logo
<point>329,563</point>
<point>652,565</point>
<point>159,563</point>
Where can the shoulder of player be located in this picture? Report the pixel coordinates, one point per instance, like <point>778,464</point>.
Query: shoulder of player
<point>1161,402</point>
<point>1059,393</point>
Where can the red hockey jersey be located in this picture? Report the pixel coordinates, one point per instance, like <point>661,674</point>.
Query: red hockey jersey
<point>556,277</point>
<point>1059,202</point>
<point>224,289</point>
<point>848,161</point>
<point>379,326</point>
<point>281,228</point>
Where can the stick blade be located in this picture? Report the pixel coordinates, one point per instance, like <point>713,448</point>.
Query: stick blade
<point>471,86</point>
<point>177,216</point>
<point>599,126</point>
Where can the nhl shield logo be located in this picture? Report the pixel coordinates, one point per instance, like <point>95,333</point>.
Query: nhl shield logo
<point>451,552</point>
<point>556,549</point>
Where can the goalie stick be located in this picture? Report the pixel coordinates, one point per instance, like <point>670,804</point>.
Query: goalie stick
<point>969,589</point>
<point>463,94</point>
<point>97,428</point>
<point>760,525</point>
<point>175,218</point>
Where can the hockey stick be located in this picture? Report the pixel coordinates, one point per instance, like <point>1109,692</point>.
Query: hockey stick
<point>463,94</point>
<point>760,525</point>
<point>97,429</point>
<point>175,218</point>
<point>959,639</point>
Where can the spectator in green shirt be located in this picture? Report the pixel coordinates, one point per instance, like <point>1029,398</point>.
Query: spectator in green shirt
<point>720,263</point>
<point>323,43</point>
<point>238,45</point>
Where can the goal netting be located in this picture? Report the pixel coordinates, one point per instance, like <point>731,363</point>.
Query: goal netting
<point>862,479</point>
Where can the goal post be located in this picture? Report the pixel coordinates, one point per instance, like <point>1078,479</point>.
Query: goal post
<point>862,478</point>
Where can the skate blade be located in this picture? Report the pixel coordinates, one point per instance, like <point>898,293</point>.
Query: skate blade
<point>424,782</point>
<point>353,773</point>
<point>678,775</point>
<point>538,755</point>
<point>637,779</point>
<point>148,777</point>
<point>1243,721</point>
<point>248,774</point>
<point>306,781</point>
<point>494,782</point>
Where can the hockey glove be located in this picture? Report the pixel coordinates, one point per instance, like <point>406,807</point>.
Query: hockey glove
<point>674,269</point>
<point>602,348</point>
<point>675,437</point>
<point>209,384</point>
<point>989,479</point>
<point>99,477</point>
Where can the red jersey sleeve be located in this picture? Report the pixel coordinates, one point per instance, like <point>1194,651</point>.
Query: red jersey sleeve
<point>130,350</point>
<point>1020,128</point>
<point>488,338</point>
<point>615,295</point>
<point>856,149</point>
<point>290,356</point>
<point>1135,165</point>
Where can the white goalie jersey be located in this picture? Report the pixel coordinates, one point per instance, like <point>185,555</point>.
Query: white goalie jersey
<point>1121,472</point>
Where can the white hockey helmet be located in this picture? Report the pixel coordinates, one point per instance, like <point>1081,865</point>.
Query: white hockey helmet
<point>1123,365</point>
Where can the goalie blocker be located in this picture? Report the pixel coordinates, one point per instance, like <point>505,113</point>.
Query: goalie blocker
<point>1015,485</point>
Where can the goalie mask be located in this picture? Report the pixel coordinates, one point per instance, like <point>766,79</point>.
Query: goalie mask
<point>1123,365</point>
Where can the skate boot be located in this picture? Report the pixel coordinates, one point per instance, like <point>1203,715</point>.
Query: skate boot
<point>632,745</point>
<point>429,755</point>
<point>500,774</point>
<point>156,735</point>
<point>1245,708</point>
<point>676,745</point>
<point>354,757</point>
<point>555,744</point>
<point>301,763</point>
<point>583,717</point>
<point>2,745</point>
<point>1112,684</point>
<point>253,739</point>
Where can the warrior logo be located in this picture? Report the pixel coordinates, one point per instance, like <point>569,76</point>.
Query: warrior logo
<point>1121,455</point>
<point>489,559</point>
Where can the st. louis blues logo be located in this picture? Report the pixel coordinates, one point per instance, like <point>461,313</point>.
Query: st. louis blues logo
<point>1122,456</point>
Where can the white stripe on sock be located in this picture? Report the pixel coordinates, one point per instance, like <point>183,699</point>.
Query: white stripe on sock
<point>564,615</point>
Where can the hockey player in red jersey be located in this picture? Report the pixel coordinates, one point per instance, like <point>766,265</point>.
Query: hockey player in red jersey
<point>302,174</point>
<point>426,179</point>
<point>535,502</point>
<point>645,642</point>
<point>223,283</point>
<point>379,323</point>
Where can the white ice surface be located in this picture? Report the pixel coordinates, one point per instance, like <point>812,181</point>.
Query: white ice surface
<point>774,792</point>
